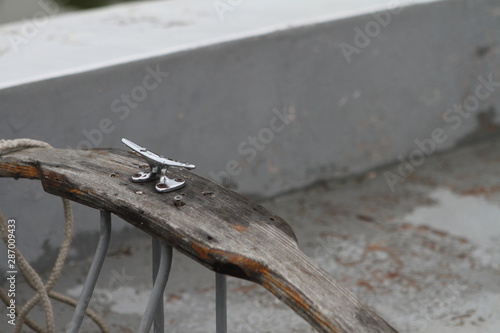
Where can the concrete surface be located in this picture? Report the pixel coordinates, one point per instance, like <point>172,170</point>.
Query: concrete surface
<point>426,255</point>
<point>290,90</point>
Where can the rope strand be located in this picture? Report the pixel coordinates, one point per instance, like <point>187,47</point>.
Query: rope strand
<point>44,291</point>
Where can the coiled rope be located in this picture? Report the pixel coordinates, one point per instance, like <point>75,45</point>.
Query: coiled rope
<point>43,291</point>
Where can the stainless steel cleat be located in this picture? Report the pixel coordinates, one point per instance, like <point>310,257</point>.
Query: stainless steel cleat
<point>158,169</point>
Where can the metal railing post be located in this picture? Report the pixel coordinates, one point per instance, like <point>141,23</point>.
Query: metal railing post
<point>158,288</point>
<point>159,321</point>
<point>220,303</point>
<point>95,268</point>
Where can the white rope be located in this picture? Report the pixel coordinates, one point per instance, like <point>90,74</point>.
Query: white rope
<point>44,291</point>
<point>17,144</point>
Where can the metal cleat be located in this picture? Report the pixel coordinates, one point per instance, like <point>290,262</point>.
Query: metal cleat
<point>158,169</point>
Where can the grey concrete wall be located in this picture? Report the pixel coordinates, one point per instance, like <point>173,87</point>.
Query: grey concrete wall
<point>271,112</point>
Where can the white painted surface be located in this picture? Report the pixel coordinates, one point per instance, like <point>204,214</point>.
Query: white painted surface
<point>471,217</point>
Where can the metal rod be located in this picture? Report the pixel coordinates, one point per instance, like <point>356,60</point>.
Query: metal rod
<point>159,321</point>
<point>95,268</point>
<point>220,303</point>
<point>158,288</point>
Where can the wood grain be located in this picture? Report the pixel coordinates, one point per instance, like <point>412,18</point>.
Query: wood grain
<point>220,229</point>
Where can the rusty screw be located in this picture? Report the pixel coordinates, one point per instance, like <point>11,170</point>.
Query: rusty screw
<point>178,201</point>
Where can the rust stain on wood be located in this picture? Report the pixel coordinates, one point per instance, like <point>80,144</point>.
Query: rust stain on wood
<point>231,263</point>
<point>253,269</point>
<point>17,171</point>
<point>239,227</point>
<point>77,192</point>
<point>200,251</point>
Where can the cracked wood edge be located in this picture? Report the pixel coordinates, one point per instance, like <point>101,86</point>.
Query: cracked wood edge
<point>216,227</point>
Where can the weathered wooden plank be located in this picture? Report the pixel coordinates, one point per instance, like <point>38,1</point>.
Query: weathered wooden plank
<point>218,228</point>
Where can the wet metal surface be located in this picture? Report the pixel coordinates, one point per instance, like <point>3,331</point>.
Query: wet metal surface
<point>426,255</point>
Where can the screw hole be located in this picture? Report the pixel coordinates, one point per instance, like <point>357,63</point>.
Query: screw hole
<point>178,180</point>
<point>161,185</point>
